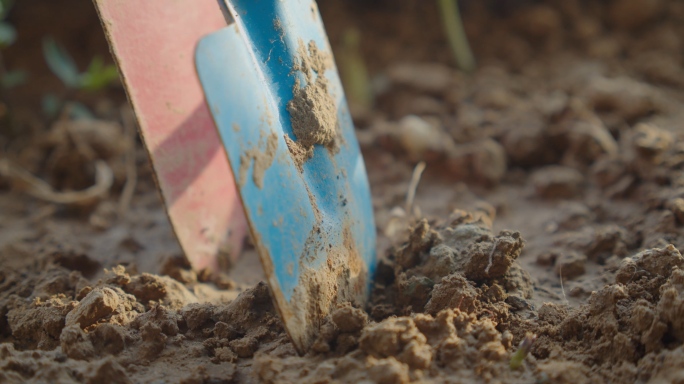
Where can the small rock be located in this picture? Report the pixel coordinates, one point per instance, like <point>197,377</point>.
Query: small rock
<point>483,161</point>
<point>526,140</point>
<point>629,98</point>
<point>154,341</point>
<point>650,141</point>
<point>346,342</point>
<point>107,371</point>
<point>98,304</point>
<point>75,343</point>
<point>651,263</point>
<point>429,77</point>
<point>677,207</point>
<point>414,291</point>
<point>349,319</point>
<point>418,136</point>
<point>399,338</point>
<point>109,338</point>
<point>578,291</point>
<point>388,371</point>
<point>555,181</point>
<point>588,141</point>
<point>454,291</point>
<point>570,265</point>
<point>225,331</point>
<point>548,258</point>
<point>197,315</point>
<point>225,354</point>
<point>244,347</point>
<point>147,287</point>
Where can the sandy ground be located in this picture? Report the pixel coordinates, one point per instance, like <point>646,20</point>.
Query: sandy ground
<point>542,244</point>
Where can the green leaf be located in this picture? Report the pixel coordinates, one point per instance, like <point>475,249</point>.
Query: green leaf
<point>99,75</point>
<point>5,6</point>
<point>13,78</point>
<point>78,111</point>
<point>61,63</point>
<point>8,35</point>
<point>51,105</point>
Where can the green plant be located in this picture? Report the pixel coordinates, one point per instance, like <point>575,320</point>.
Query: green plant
<point>7,32</point>
<point>453,27</point>
<point>96,77</point>
<point>523,350</point>
<point>357,84</point>
<point>8,35</point>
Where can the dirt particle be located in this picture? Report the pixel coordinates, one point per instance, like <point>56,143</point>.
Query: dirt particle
<point>98,304</point>
<point>557,182</point>
<point>225,331</point>
<point>75,343</point>
<point>147,287</point>
<point>225,354</point>
<point>651,141</point>
<point>109,338</point>
<point>676,205</point>
<point>399,338</point>
<point>629,98</point>
<point>483,161</point>
<point>454,291</point>
<point>166,319</point>
<point>671,304</point>
<point>489,259</point>
<point>419,137</point>
<point>570,265</point>
<point>564,372</point>
<point>652,263</point>
<point>197,316</point>
<point>107,371</point>
<point>349,319</point>
<point>244,347</point>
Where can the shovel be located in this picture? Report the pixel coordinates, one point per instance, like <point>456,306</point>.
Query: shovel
<point>153,43</point>
<point>272,88</point>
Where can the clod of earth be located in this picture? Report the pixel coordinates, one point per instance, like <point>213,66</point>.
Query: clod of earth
<point>313,111</point>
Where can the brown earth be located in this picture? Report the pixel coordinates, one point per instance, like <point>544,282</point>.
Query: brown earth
<point>552,205</point>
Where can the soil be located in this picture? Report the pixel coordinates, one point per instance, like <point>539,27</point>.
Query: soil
<point>262,160</point>
<point>547,224</point>
<point>312,108</point>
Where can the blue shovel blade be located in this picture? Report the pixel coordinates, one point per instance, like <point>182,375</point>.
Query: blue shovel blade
<point>278,103</point>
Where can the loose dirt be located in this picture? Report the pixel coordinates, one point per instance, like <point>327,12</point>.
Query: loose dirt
<point>552,204</point>
<point>312,109</point>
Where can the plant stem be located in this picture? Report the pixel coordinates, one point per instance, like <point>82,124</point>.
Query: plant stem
<point>453,26</point>
<point>354,72</point>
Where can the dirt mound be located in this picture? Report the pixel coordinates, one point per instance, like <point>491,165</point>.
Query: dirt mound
<point>142,321</point>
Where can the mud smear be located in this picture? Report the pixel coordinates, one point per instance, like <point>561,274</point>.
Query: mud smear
<point>262,161</point>
<point>298,152</point>
<point>341,279</point>
<point>313,111</point>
